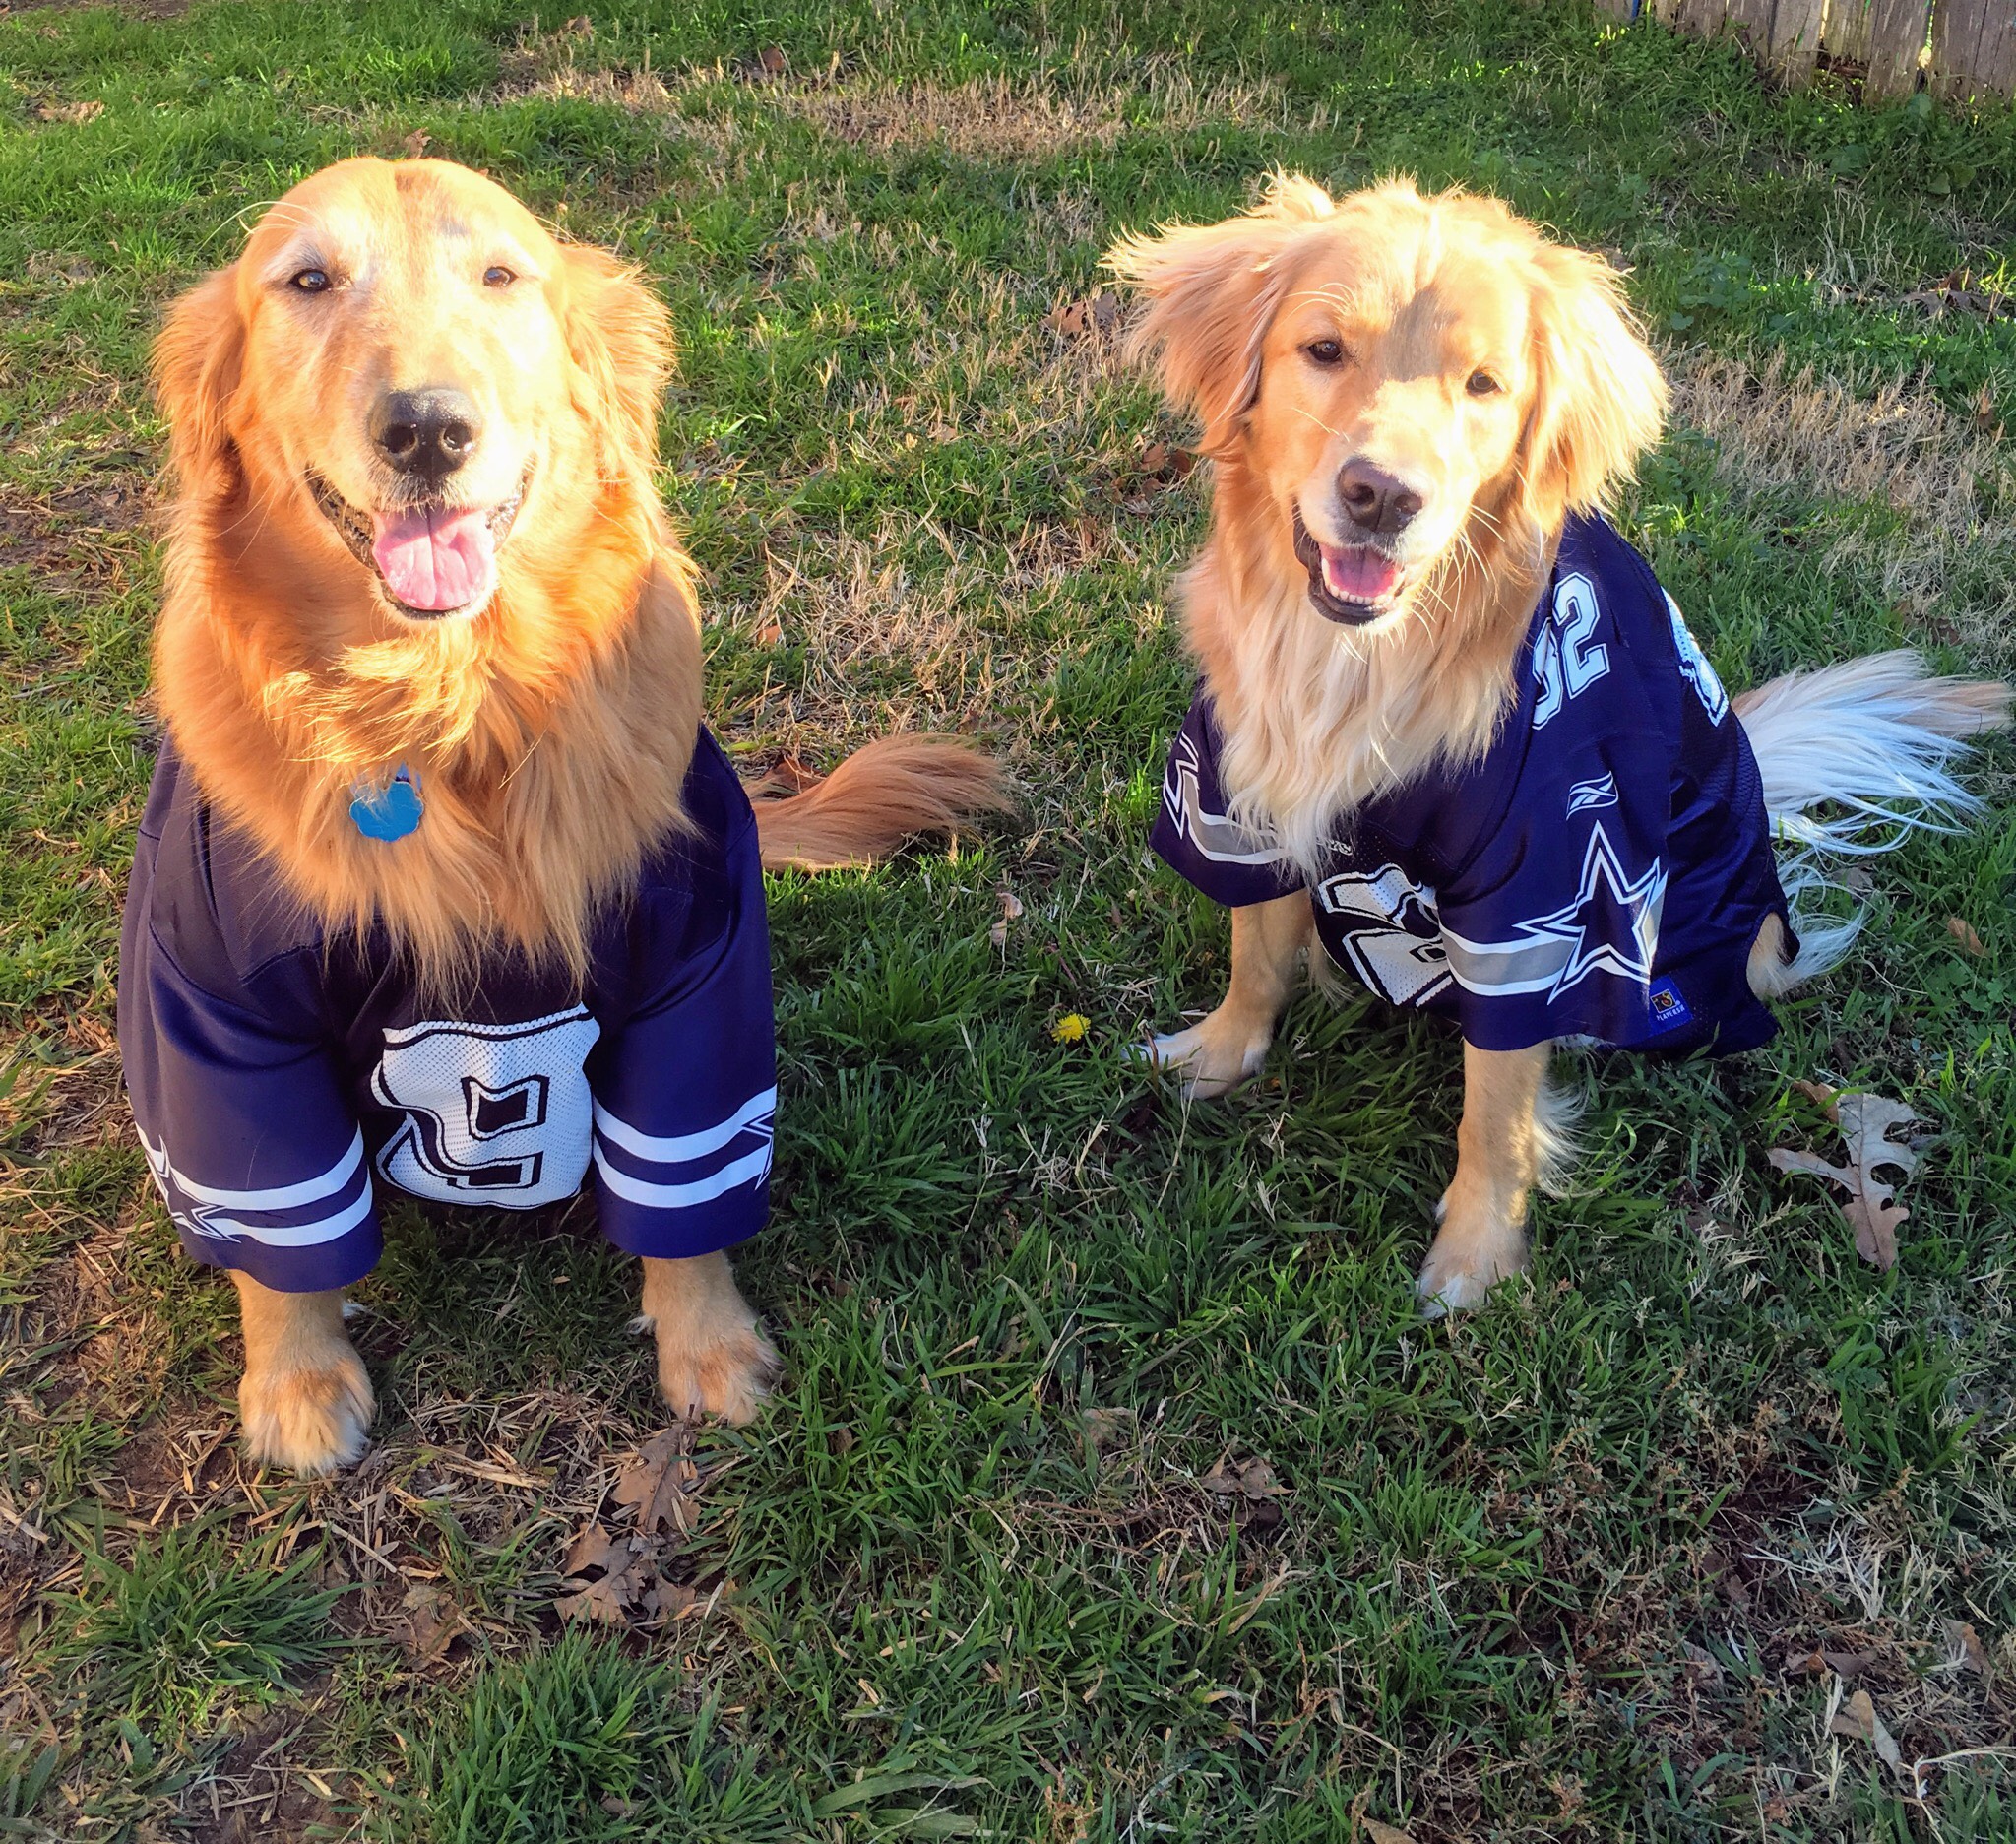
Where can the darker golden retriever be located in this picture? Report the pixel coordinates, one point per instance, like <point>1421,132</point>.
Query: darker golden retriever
<point>443,886</point>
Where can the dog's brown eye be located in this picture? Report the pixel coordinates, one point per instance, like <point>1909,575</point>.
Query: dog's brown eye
<point>498,277</point>
<point>1482,384</point>
<point>310,281</point>
<point>1326,351</point>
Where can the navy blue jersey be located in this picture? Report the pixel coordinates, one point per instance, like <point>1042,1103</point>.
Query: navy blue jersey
<point>279,1072</point>
<point>1600,872</point>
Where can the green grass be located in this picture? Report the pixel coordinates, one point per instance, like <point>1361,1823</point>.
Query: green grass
<point>1555,1571</point>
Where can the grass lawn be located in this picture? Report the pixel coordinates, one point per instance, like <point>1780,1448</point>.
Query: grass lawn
<point>1116,1491</point>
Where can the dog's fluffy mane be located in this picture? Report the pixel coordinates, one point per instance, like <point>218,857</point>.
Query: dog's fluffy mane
<point>1319,719</point>
<point>552,737</point>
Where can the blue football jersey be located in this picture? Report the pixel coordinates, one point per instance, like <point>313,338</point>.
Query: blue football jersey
<point>281,1072</point>
<point>1600,872</point>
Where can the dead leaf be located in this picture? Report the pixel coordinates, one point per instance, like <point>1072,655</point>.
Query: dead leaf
<point>1964,1645</point>
<point>660,1482</point>
<point>623,1578</point>
<point>772,60</point>
<point>593,1547</point>
<point>416,144</point>
<point>1077,318</point>
<point>1962,930</point>
<point>578,27</point>
<point>75,113</point>
<point>1815,1092</point>
<point>431,1622</point>
<point>667,1600</point>
<point>793,773</point>
<point>1011,905</point>
<point>1847,1663</point>
<point>1857,1720</point>
<point>770,634</point>
<point>1385,1833</point>
<point>1254,1480</point>
<point>1161,461</point>
<point>1865,1122</point>
<point>1701,1660</point>
<point>606,1600</point>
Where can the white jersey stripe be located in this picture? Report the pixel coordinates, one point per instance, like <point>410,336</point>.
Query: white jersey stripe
<point>682,1147</point>
<point>284,1236</point>
<point>279,1198</point>
<point>746,1169</point>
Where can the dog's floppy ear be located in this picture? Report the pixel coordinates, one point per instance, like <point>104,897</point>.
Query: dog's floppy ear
<point>621,341</point>
<point>1213,290</point>
<point>198,360</point>
<point>1601,398</point>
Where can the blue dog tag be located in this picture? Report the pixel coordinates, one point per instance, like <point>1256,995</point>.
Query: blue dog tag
<point>391,812</point>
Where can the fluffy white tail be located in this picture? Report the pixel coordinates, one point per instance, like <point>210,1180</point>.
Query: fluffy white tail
<point>1875,741</point>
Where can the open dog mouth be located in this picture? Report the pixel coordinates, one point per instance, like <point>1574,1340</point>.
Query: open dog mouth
<point>1351,584</point>
<point>430,560</point>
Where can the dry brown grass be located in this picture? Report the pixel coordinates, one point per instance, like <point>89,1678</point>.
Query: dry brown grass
<point>989,119</point>
<point>1947,479</point>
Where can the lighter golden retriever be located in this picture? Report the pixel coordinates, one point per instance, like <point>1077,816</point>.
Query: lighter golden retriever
<point>443,884</point>
<point>1448,724</point>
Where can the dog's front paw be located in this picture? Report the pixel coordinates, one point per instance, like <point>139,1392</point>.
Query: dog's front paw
<point>1212,1056</point>
<point>713,1357</point>
<point>1469,1259</point>
<point>309,1419</point>
<point>729,1373</point>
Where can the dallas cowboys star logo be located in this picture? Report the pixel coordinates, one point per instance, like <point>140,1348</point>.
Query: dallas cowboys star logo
<point>1610,925</point>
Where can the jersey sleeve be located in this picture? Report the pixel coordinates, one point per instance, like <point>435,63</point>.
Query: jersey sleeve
<point>1193,834</point>
<point>685,1090</point>
<point>244,1123</point>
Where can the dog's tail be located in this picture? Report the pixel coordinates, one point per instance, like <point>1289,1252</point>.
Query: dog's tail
<point>1876,742</point>
<point>894,789</point>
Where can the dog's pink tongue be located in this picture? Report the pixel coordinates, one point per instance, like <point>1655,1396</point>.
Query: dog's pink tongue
<point>434,560</point>
<point>1358,574</point>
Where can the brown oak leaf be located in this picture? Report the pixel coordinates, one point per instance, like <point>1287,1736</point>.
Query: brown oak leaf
<point>660,1482</point>
<point>1865,1122</point>
<point>1857,1719</point>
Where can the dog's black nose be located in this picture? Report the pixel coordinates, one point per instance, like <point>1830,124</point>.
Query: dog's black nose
<point>1374,499</point>
<point>429,432</point>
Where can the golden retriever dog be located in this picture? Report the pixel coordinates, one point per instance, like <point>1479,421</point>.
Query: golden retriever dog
<point>443,886</point>
<point>1448,727</point>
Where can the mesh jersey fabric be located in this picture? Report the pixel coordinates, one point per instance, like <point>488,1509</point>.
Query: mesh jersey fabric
<point>279,1071</point>
<point>1598,873</point>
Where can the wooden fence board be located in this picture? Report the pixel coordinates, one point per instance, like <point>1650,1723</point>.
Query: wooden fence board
<point>1972,42</point>
<point>1751,22</point>
<point>1796,40</point>
<point>1973,47</point>
<point>1994,61</point>
<point>1846,32</point>
<point>1897,38</point>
